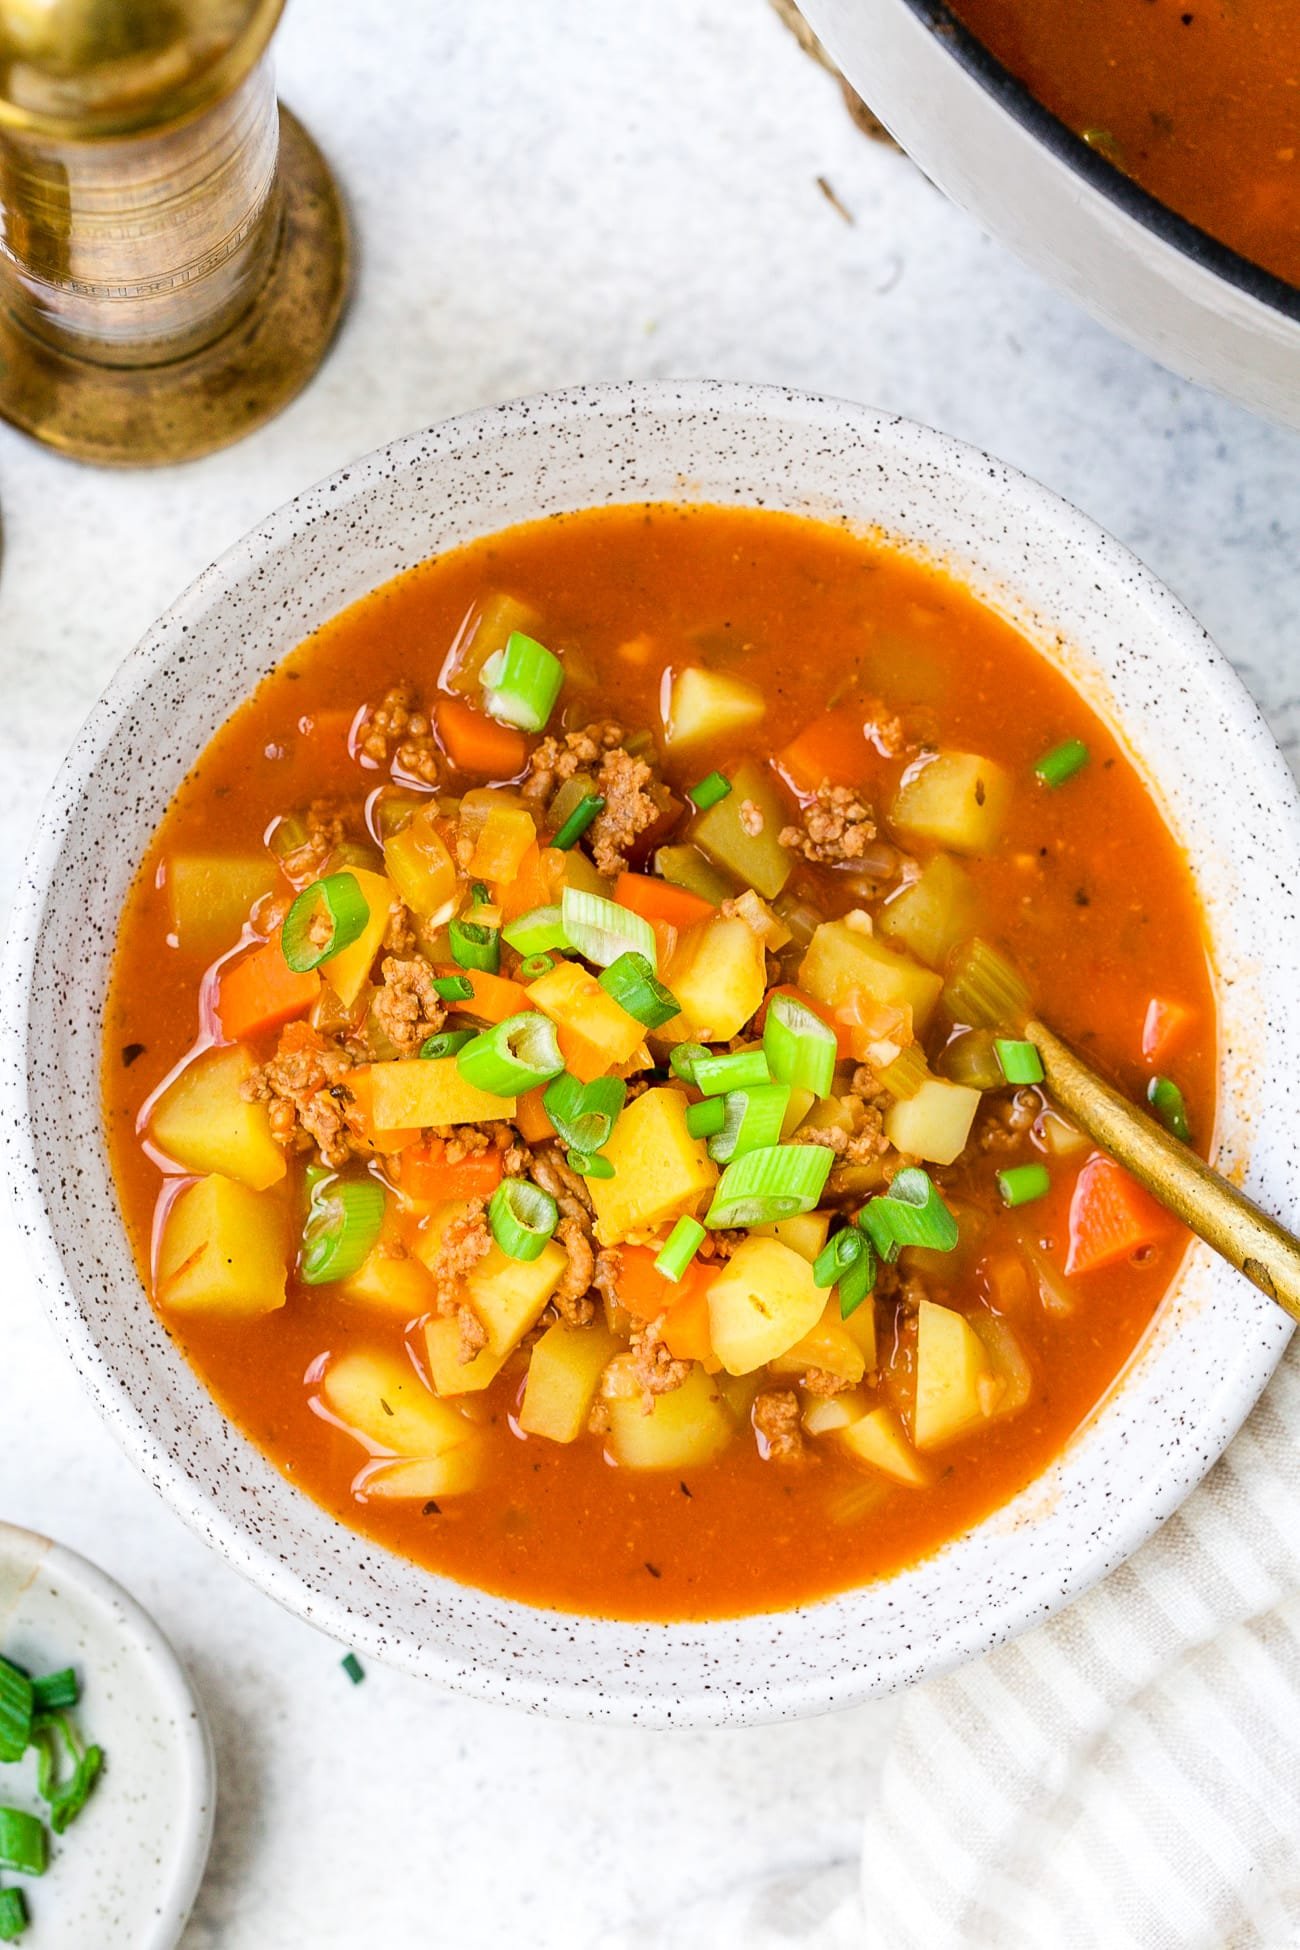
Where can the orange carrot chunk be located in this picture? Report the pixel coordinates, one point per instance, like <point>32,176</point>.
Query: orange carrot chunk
<point>477,744</point>
<point>686,1328</point>
<point>1111,1217</point>
<point>1165,1023</point>
<point>830,750</point>
<point>495,997</point>
<point>426,1174</point>
<point>260,992</point>
<point>658,900</point>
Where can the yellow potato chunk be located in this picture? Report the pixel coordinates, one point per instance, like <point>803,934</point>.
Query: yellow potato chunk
<point>508,1296</point>
<point>348,972</point>
<point>564,1373</point>
<point>841,961</point>
<point>380,1399</point>
<point>423,1478</point>
<point>420,866</point>
<point>828,1414</point>
<point>804,1233</point>
<point>827,1345</point>
<point>707,704</point>
<point>762,1303</point>
<point>204,1123</point>
<point>210,895</point>
<point>861,1328</point>
<point>594,1033</point>
<point>415,1096</point>
<point>935,1123</point>
<point>224,1250</point>
<point>685,1428</point>
<point>953,1372</point>
<point>719,976</point>
<point>660,1170</point>
<point>933,913</point>
<point>957,799</point>
<point>878,1439</point>
<point>401,1285</point>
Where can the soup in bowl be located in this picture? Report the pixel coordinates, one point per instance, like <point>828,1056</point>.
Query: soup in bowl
<point>539,1085</point>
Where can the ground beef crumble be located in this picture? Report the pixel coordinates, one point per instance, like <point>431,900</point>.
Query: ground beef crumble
<point>407,1007</point>
<point>835,827</point>
<point>553,1172</point>
<point>555,759</point>
<point>634,802</point>
<point>325,831</point>
<point>820,1381</point>
<point>656,1369</point>
<point>572,1297</point>
<point>776,1422</point>
<point>304,1086</point>
<point>463,1245</point>
<point>395,734</point>
<point>1008,1120</point>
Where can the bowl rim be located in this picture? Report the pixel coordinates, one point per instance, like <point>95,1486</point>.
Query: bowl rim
<point>956,42</point>
<point>1048,1584</point>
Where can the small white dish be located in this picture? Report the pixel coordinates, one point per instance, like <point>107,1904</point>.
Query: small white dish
<point>125,1874</point>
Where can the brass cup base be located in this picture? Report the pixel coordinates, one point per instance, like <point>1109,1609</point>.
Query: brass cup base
<point>141,416</point>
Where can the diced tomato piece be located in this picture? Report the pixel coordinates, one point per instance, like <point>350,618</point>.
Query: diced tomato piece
<point>478,744</point>
<point>659,900</point>
<point>1165,1023</point>
<point>260,992</point>
<point>1111,1217</point>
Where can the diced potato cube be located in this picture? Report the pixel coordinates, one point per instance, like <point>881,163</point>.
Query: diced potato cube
<point>878,1439</point>
<point>686,866</point>
<point>804,1234</point>
<point>684,1429</point>
<point>660,1170</point>
<point>827,1345</point>
<point>933,913</point>
<point>508,1296</point>
<point>419,864</point>
<point>417,1096</point>
<point>957,799</point>
<point>210,896</point>
<point>827,1414</point>
<point>861,1327</point>
<point>421,1479</point>
<point>398,1283</point>
<point>757,858</point>
<point>719,975</point>
<point>1013,1378</point>
<point>499,827</point>
<point>594,1033</point>
<point>762,1303</point>
<point>707,704</point>
<point>564,1372</point>
<point>489,630</point>
<point>935,1123</point>
<point>203,1123</point>
<point>224,1250</point>
<point>952,1374</point>
<point>380,1399</point>
<point>841,961</point>
<point>348,972</point>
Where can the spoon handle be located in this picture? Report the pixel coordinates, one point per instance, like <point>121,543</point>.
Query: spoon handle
<point>1224,1218</point>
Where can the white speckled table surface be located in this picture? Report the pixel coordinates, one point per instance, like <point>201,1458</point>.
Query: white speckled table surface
<point>546,193</point>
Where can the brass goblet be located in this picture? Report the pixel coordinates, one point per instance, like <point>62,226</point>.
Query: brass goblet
<point>173,249</point>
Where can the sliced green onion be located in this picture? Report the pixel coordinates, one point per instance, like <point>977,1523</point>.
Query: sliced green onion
<point>841,1251</point>
<point>533,967</point>
<point>578,821</point>
<point>583,1113</point>
<point>536,932</point>
<point>752,1120</point>
<point>512,1056</point>
<point>859,1280</point>
<point>337,900</point>
<point>1019,1061</point>
<point>475,946</point>
<point>679,1249</point>
<point>16,1708</point>
<point>1166,1100</point>
<point>66,1801</point>
<point>635,987</point>
<point>353,1667</point>
<point>705,1120</point>
<point>771,1184</point>
<point>13,1915</point>
<point>589,1164</point>
<point>708,792</point>
<point>601,930</point>
<point>683,1058</point>
<point>24,1845</point>
<point>983,990</point>
<point>453,988</point>
<point>446,1042</point>
<point>740,1069</point>
<point>521,683</point>
<point>911,1213</point>
<point>800,1048</point>
<point>1021,1184</point>
<point>55,1691</point>
<point>342,1227</point>
<point>522,1218</point>
<point>1060,764</point>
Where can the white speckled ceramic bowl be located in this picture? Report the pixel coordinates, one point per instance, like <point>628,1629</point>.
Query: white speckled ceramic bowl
<point>1124,640</point>
<point>125,1874</point>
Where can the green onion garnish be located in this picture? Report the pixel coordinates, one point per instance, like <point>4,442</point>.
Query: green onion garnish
<point>13,1915</point>
<point>453,988</point>
<point>842,1250</point>
<point>683,1058</point>
<point>521,683</point>
<point>858,1280</point>
<point>679,1249</point>
<point>910,1214</point>
<point>16,1708</point>
<point>335,903</point>
<point>342,1226</point>
<point>512,1056</point>
<point>578,821</point>
<point>1022,1184</point>
<point>1019,1061</point>
<point>24,1845</point>
<point>589,1164</point>
<point>1166,1100</point>
<point>1060,764</point>
<point>741,1069</point>
<point>533,967</point>
<point>583,1113</point>
<point>66,1800</point>
<point>56,1691</point>
<point>536,932</point>
<point>635,987</point>
<point>983,989</point>
<point>708,792</point>
<point>446,1042</point>
<point>475,946</point>
<point>522,1218</point>
<point>771,1184</point>
<point>353,1667</point>
<point>752,1120</point>
<point>799,1047</point>
<point>601,930</point>
<point>706,1119</point>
